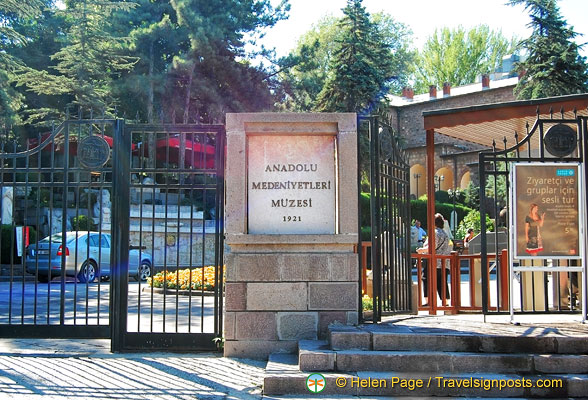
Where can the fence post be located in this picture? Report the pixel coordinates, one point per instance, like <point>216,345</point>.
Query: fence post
<point>504,280</point>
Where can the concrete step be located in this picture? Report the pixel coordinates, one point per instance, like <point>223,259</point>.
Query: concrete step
<point>284,378</point>
<point>382,338</point>
<point>316,356</point>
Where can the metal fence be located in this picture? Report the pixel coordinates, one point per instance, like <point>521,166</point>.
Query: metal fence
<point>390,220</point>
<point>539,289</point>
<point>95,202</point>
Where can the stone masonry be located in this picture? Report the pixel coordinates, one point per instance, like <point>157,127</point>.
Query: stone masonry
<point>281,288</point>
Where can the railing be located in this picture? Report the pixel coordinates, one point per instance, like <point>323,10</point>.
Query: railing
<point>453,263</point>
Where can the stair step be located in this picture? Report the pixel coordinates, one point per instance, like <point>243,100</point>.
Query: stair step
<point>316,356</point>
<point>381,338</point>
<point>283,377</point>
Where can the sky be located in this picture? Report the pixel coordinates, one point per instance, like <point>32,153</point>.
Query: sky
<point>423,16</point>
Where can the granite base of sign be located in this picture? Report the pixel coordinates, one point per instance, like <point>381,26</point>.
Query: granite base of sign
<point>291,222</point>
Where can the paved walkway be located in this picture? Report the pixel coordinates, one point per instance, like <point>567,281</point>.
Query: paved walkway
<point>33,369</point>
<point>67,369</point>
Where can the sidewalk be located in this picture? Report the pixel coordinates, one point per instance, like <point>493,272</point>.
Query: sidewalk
<point>52,369</point>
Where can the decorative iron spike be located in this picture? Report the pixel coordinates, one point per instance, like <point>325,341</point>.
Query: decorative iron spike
<point>80,112</point>
<point>504,140</point>
<point>91,113</point>
<point>67,112</point>
<point>575,113</point>
<point>137,116</point>
<point>516,136</point>
<point>115,111</point>
<point>561,110</point>
<point>161,119</point>
<point>538,113</point>
<point>173,116</point>
<point>551,112</point>
<point>527,126</point>
<point>494,144</point>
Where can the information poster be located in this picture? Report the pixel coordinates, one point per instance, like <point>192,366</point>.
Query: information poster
<point>546,200</point>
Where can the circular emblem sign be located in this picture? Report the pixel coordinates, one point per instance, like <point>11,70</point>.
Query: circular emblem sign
<point>93,152</point>
<point>560,140</point>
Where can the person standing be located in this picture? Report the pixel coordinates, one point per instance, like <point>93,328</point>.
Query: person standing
<point>442,248</point>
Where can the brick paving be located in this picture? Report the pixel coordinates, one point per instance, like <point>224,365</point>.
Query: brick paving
<point>84,369</point>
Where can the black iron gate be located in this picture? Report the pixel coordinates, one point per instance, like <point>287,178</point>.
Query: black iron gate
<point>494,169</point>
<point>390,219</point>
<point>95,202</point>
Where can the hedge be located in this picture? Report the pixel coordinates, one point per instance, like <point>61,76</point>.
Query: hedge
<point>9,238</point>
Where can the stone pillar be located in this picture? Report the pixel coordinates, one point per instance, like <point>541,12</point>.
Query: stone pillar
<point>291,224</point>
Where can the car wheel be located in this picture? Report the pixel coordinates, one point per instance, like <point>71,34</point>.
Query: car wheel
<point>143,272</point>
<point>43,278</point>
<point>88,272</point>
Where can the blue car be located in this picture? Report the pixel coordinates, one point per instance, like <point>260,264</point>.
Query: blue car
<point>87,257</point>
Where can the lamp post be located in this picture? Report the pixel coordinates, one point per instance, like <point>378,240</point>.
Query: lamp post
<point>438,180</point>
<point>417,176</point>
<point>453,193</point>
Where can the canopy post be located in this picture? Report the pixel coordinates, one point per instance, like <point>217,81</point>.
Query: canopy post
<point>432,267</point>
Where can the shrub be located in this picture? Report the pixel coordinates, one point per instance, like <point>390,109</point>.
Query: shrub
<point>472,220</point>
<point>418,210</point>
<point>82,223</point>
<point>9,239</point>
<point>185,279</point>
<point>367,303</point>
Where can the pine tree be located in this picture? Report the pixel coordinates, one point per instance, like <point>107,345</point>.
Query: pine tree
<point>361,67</point>
<point>87,64</point>
<point>11,13</point>
<point>554,66</point>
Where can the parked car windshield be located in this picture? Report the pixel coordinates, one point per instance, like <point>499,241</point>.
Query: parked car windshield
<point>56,238</point>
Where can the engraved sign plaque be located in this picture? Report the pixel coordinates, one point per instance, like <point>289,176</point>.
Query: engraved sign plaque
<point>93,152</point>
<point>560,140</point>
<point>291,184</point>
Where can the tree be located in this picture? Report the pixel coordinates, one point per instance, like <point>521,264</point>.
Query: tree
<point>361,67</point>
<point>212,77</point>
<point>304,71</point>
<point>458,56</point>
<point>554,66</point>
<point>87,64</point>
<point>11,13</point>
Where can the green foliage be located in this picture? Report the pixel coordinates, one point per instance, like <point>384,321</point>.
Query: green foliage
<point>304,72</point>
<point>472,196</point>
<point>83,223</point>
<point>554,66</point>
<point>472,220</point>
<point>88,62</point>
<point>210,77</point>
<point>11,13</point>
<point>367,303</point>
<point>418,210</point>
<point>361,66</point>
<point>458,56</point>
<point>496,186</point>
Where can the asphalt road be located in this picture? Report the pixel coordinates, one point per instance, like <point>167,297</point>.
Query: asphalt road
<point>88,304</point>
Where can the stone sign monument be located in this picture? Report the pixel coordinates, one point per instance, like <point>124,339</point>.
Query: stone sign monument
<point>291,224</point>
<point>291,184</point>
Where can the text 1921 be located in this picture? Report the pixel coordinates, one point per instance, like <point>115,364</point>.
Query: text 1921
<point>294,218</point>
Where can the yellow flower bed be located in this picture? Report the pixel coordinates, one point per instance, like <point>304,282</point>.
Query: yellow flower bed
<point>196,278</point>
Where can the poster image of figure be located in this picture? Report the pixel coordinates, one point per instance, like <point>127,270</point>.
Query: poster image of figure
<point>546,218</point>
<point>533,224</point>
